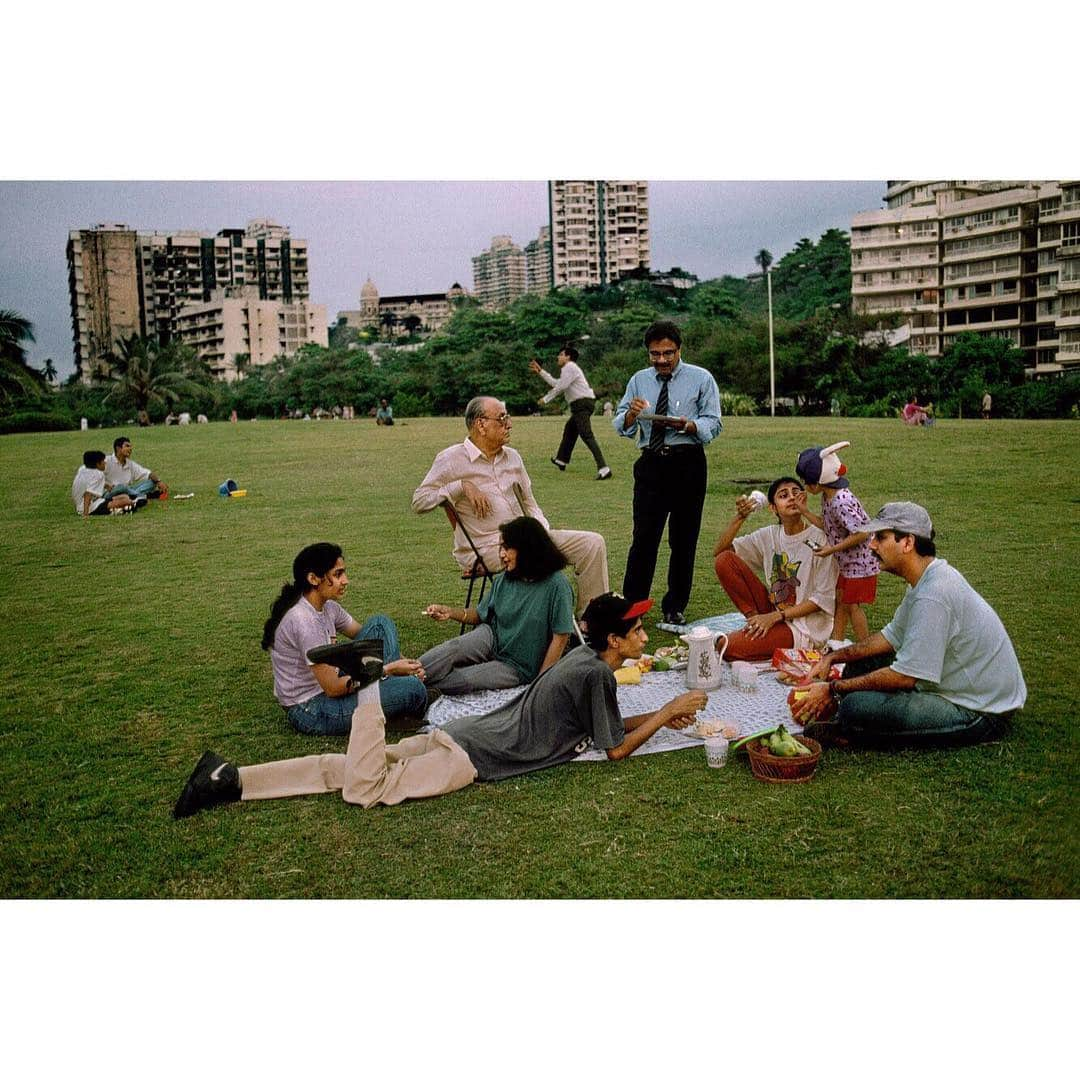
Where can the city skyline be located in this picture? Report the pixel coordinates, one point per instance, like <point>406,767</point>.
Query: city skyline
<point>409,237</point>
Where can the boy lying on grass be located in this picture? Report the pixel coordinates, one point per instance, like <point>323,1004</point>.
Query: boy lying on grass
<point>567,708</point>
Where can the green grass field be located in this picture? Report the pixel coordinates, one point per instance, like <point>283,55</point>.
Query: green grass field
<point>132,644</point>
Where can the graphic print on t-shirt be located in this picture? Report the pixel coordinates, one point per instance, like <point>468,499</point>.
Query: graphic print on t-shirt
<point>784,583</point>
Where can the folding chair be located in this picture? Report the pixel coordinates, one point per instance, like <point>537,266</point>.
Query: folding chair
<point>478,570</point>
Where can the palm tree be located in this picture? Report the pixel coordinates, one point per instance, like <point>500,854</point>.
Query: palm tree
<point>145,372</point>
<point>389,321</point>
<point>17,379</point>
<point>50,370</point>
<point>764,259</point>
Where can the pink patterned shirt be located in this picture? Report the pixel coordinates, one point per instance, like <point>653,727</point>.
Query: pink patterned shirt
<point>843,515</point>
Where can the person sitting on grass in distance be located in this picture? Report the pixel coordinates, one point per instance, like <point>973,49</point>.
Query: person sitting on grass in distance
<point>567,709</point>
<point>88,489</point>
<point>843,519</point>
<point>794,608</point>
<point>913,413</point>
<point>384,414</point>
<point>943,672</point>
<point>126,477</point>
<point>316,697</point>
<point>522,625</point>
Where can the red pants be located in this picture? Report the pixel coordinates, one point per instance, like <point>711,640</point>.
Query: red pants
<point>750,596</point>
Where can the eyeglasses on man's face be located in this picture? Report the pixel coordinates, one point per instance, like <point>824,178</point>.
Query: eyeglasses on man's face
<point>666,354</point>
<point>502,418</point>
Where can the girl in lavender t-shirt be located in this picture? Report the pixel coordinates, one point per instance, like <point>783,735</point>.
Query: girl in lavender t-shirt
<point>842,518</point>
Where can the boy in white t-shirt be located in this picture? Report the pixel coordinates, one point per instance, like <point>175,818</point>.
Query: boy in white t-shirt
<point>88,489</point>
<point>123,476</point>
<point>793,607</point>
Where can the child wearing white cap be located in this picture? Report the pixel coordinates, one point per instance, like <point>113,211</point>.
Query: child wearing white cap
<point>842,519</point>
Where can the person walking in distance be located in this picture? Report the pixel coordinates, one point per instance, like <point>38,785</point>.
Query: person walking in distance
<point>573,385</point>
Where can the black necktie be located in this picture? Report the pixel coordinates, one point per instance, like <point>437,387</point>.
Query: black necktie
<point>656,435</point>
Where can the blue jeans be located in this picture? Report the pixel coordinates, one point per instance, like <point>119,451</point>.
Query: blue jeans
<point>911,718</point>
<point>399,695</point>
<point>135,491</point>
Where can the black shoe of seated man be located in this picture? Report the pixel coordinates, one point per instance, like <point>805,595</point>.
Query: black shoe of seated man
<point>139,502</point>
<point>826,732</point>
<point>560,465</point>
<point>604,474</point>
<point>676,618</point>
<point>350,656</point>
<point>215,781</point>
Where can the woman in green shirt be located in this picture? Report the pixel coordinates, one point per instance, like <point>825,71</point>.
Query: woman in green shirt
<point>522,625</point>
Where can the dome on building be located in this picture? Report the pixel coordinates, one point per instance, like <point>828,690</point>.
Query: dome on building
<point>369,292</point>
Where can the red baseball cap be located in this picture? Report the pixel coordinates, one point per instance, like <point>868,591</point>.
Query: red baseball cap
<point>612,613</point>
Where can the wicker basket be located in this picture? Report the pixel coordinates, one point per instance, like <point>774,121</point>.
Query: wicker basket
<point>784,770</point>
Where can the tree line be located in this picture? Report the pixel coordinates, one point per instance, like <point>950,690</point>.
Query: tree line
<point>827,359</point>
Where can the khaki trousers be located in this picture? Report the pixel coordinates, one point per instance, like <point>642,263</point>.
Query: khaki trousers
<point>370,772</point>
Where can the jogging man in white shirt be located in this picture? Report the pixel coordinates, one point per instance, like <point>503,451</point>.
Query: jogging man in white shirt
<point>573,385</point>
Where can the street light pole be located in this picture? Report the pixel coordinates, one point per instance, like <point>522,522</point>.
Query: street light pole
<point>772,355</point>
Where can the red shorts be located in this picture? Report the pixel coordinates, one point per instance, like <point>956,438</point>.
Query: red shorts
<point>857,590</point>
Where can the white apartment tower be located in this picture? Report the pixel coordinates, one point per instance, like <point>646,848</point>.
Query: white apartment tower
<point>538,262</point>
<point>232,333</point>
<point>956,256</point>
<point>599,230</point>
<point>499,273</point>
<point>123,282</point>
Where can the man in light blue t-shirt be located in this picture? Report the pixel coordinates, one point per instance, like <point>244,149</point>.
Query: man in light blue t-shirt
<point>942,673</point>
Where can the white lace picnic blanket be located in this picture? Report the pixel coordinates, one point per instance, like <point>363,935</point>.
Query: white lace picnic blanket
<point>747,712</point>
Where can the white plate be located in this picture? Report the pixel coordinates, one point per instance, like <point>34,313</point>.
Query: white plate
<point>694,733</point>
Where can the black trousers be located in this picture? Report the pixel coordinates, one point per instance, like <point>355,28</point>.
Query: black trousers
<point>580,424</point>
<point>669,489</point>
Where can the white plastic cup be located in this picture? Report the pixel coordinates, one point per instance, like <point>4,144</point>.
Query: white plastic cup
<point>716,747</point>
<point>744,676</point>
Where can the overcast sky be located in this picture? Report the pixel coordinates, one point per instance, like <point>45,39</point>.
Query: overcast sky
<point>409,237</point>
<point>440,96</point>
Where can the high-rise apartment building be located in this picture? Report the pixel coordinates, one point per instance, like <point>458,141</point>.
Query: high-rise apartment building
<point>1068,282</point>
<point>538,262</point>
<point>599,230</point>
<point>499,273</point>
<point>123,282</point>
<point>957,256</point>
<point>235,332</point>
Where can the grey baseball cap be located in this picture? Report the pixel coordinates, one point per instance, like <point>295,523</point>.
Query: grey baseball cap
<point>906,517</point>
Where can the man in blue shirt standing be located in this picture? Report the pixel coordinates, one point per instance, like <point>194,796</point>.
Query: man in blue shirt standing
<point>672,409</point>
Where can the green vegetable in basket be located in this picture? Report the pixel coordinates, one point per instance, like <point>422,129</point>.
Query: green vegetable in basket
<point>660,664</point>
<point>746,739</point>
<point>782,744</point>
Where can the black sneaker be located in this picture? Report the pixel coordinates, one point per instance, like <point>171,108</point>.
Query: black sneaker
<point>604,474</point>
<point>676,618</point>
<point>560,465</point>
<point>214,781</point>
<point>140,502</point>
<point>361,659</point>
<point>826,732</point>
